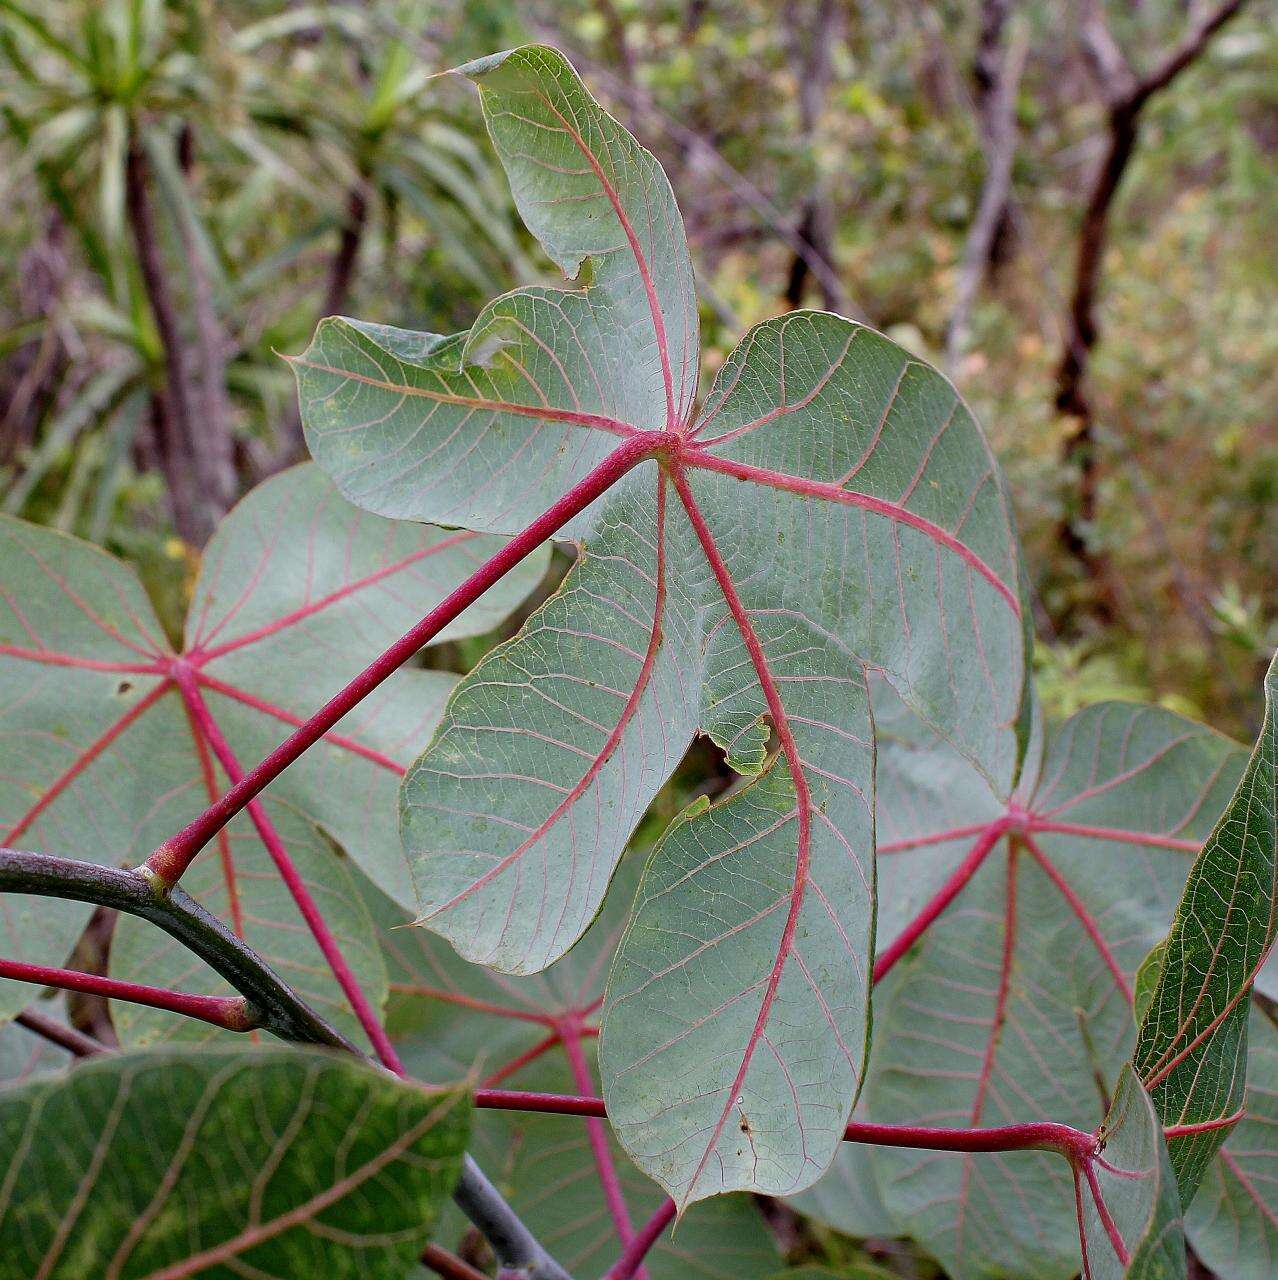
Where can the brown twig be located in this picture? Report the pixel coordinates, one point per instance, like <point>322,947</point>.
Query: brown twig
<point>68,1038</point>
<point>1125,95</point>
<point>449,1265</point>
<point>193,513</point>
<point>811,43</point>
<point>213,439</point>
<point>996,100</point>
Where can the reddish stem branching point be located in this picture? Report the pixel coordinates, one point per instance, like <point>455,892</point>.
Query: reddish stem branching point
<point>172,858</point>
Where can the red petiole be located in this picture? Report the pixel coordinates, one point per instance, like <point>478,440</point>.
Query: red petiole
<point>232,1013</point>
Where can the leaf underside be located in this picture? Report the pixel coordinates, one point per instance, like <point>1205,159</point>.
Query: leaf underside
<point>298,590</point>
<point>973,1030</point>
<point>1233,1220</point>
<point>269,1163</point>
<point>1130,1224</point>
<point>452,1019</point>
<point>246,890</point>
<point>829,510</point>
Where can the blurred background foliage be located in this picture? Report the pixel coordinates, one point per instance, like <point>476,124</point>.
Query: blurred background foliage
<point>186,187</point>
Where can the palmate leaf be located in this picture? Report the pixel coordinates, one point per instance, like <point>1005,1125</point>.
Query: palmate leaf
<point>298,590</point>
<point>831,509</point>
<point>1192,1051</point>
<point>452,1019</point>
<point>1014,1006</point>
<point>264,1163</point>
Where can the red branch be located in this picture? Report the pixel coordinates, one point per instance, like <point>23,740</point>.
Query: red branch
<point>1203,1126</point>
<point>1034,1136</point>
<point>313,607</point>
<point>865,502</point>
<point>323,935</point>
<point>1102,1209</point>
<point>471,1002</point>
<point>172,858</point>
<point>632,1256</point>
<point>236,694</point>
<point>1114,833</point>
<point>233,1013</point>
<point>598,1133</point>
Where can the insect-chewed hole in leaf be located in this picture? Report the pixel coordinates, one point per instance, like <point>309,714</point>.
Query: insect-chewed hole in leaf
<point>703,773</point>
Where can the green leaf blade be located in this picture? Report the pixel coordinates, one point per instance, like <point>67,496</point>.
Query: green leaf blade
<point>123,1168</point>
<point>860,457</point>
<point>454,1019</point>
<point>551,750</point>
<point>1123,795</point>
<point>1131,1223</point>
<point>1233,1220</point>
<point>585,188</point>
<point>490,427</point>
<point>1192,1051</point>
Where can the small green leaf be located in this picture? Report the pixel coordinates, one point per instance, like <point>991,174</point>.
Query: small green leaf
<point>259,1162</point>
<point>1131,1220</point>
<point>1192,1052</point>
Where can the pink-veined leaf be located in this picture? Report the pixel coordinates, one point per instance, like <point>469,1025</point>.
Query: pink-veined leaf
<point>454,1020</point>
<point>488,428</point>
<point>1015,1004</point>
<point>1129,1217</point>
<point>298,591</point>
<point>246,890</point>
<point>831,509</point>
<point>1233,1220</point>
